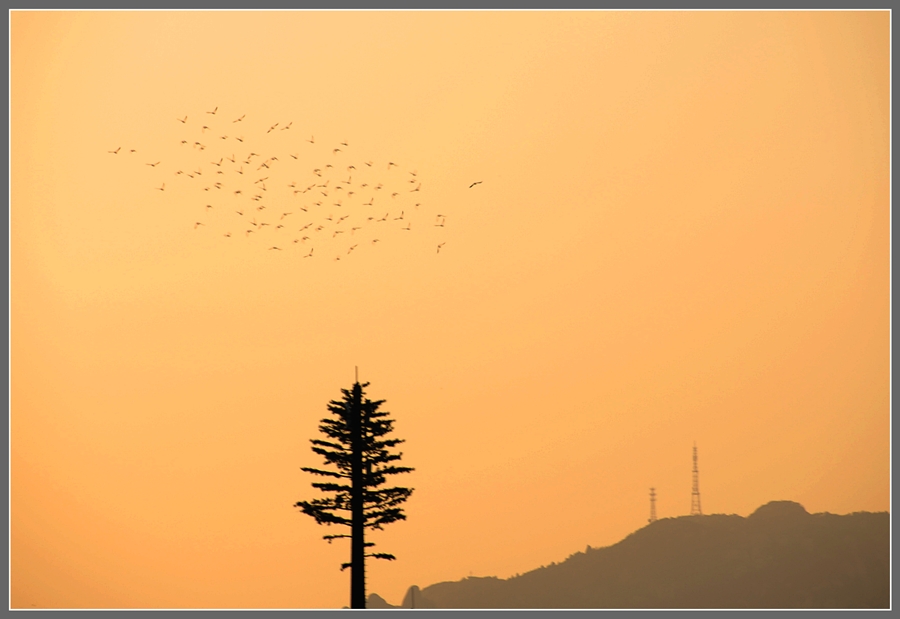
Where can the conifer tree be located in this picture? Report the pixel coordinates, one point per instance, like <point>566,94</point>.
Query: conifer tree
<point>360,458</point>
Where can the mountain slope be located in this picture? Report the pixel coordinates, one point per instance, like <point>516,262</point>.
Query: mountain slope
<point>778,557</point>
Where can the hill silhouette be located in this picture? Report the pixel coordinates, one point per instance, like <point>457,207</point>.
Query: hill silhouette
<point>778,557</point>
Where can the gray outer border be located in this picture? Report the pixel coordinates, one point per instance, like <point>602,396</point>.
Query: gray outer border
<point>423,5</point>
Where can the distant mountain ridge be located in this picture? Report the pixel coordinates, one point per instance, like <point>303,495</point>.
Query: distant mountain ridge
<point>778,557</point>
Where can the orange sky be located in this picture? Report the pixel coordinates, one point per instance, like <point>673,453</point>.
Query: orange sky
<point>682,235</point>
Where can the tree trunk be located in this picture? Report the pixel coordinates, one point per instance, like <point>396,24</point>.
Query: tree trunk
<point>357,528</point>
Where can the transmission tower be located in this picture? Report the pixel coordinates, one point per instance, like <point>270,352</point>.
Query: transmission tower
<point>695,491</point>
<point>652,505</point>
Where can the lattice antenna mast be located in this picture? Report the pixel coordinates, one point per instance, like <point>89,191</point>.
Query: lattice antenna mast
<point>695,490</point>
<point>652,506</point>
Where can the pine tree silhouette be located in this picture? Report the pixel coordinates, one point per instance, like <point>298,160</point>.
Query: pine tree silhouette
<point>360,454</point>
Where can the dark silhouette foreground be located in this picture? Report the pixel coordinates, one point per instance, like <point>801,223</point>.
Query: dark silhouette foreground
<point>778,557</point>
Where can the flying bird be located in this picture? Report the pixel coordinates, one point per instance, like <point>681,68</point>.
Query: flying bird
<point>213,112</point>
<point>183,120</point>
<point>239,119</point>
<point>114,152</point>
<point>475,183</point>
<point>197,224</point>
<point>163,188</point>
<point>153,165</point>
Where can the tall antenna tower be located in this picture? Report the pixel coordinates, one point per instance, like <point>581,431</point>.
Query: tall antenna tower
<point>695,490</point>
<point>652,506</point>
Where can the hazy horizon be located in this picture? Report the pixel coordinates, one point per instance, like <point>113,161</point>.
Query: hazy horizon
<point>680,235</point>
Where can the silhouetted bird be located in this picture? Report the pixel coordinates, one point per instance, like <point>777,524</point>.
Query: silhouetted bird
<point>114,152</point>
<point>213,112</point>
<point>475,183</point>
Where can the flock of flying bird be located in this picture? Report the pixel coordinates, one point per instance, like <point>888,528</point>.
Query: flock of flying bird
<point>340,205</point>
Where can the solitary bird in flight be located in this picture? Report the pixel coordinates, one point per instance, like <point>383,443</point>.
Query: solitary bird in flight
<point>239,119</point>
<point>475,183</point>
<point>115,152</point>
<point>183,120</point>
<point>439,247</point>
<point>213,112</point>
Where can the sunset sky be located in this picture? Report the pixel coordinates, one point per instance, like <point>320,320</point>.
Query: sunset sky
<point>681,235</point>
